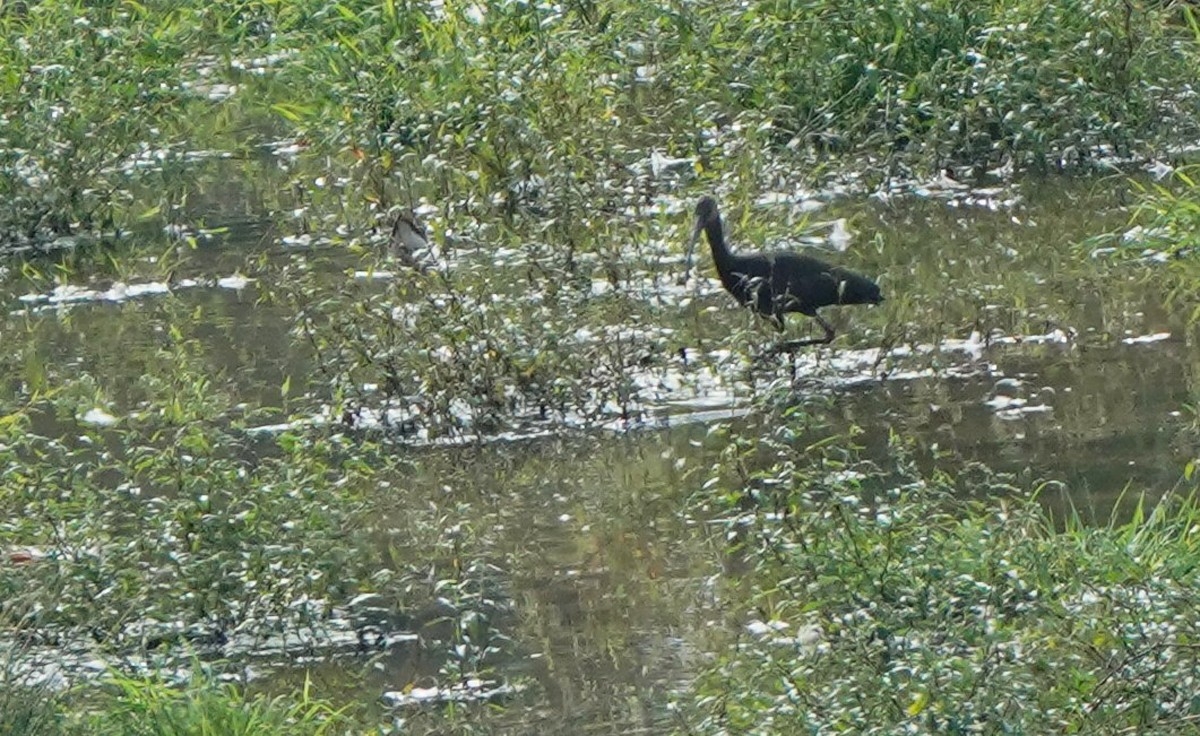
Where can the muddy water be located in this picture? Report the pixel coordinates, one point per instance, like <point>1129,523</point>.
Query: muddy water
<point>996,346</point>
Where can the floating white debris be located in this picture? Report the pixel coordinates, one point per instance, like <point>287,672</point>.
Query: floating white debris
<point>839,235</point>
<point>1159,169</point>
<point>973,345</point>
<point>1002,402</point>
<point>1009,408</point>
<point>661,164</point>
<point>417,695</point>
<point>219,92</point>
<point>1156,337</point>
<point>1037,409</point>
<point>473,689</point>
<point>809,636</point>
<point>761,628</point>
<point>236,282</point>
<point>121,291</point>
<point>98,417</point>
<point>300,423</point>
<point>773,198</point>
<point>1138,233</point>
<point>600,288</point>
<point>1003,171</point>
<point>286,149</point>
<point>844,476</point>
<point>118,292</point>
<point>297,241</point>
<point>1055,336</point>
<point>645,72</point>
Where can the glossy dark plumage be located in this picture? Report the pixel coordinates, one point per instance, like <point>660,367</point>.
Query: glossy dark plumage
<point>773,284</point>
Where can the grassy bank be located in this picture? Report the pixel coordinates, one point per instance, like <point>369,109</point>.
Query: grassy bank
<point>878,600</point>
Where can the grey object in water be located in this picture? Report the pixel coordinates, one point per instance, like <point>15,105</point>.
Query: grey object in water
<point>408,239</point>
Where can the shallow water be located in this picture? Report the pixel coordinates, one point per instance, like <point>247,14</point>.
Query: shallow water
<point>996,348</point>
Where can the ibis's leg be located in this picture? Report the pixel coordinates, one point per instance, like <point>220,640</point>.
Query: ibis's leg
<point>790,345</point>
<point>776,319</point>
<point>828,328</point>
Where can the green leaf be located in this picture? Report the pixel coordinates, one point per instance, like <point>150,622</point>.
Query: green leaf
<point>291,111</point>
<point>920,700</point>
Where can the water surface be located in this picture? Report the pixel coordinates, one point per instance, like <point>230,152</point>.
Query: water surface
<point>1000,344</point>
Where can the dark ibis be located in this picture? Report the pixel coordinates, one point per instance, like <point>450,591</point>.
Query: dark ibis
<point>773,284</point>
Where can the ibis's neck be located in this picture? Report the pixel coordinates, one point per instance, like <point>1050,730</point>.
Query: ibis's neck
<point>716,241</point>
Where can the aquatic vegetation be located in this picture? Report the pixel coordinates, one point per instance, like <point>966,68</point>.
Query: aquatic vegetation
<point>539,484</point>
<point>949,83</point>
<point>84,95</point>
<point>151,708</point>
<point>1165,223</point>
<point>885,598</point>
<point>215,539</point>
<point>560,111</point>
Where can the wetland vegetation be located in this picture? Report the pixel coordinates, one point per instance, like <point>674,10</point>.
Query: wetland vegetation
<point>257,477</point>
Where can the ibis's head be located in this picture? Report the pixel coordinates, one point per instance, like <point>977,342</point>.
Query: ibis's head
<point>706,214</point>
<point>706,211</point>
<point>856,289</point>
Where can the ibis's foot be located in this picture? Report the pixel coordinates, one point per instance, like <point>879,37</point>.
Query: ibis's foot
<point>787,346</point>
<point>764,355</point>
<point>791,346</point>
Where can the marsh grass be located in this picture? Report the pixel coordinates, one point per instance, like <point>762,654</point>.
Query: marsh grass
<point>147,706</point>
<point>553,150</point>
<point>946,604</point>
<point>29,703</point>
<point>536,112</point>
<point>150,708</point>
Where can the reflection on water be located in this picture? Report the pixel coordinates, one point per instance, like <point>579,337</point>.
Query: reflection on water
<point>1097,419</point>
<point>607,587</point>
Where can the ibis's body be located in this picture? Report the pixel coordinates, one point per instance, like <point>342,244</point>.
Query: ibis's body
<point>773,284</point>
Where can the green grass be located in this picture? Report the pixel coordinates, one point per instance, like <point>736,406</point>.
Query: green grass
<point>932,602</point>
<point>535,107</point>
<point>149,707</point>
<point>939,604</point>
